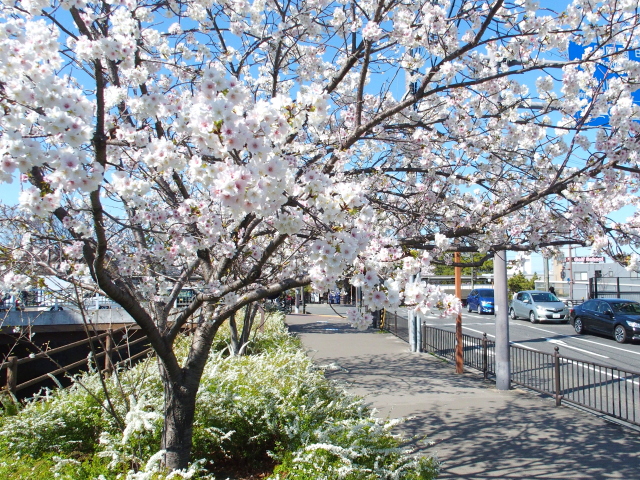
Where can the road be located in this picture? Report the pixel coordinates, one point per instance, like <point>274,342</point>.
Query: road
<point>544,337</point>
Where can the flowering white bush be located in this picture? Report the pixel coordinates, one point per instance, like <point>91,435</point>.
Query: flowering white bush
<point>274,405</point>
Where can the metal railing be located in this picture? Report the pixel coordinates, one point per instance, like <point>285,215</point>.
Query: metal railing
<point>601,388</point>
<point>104,342</point>
<point>395,324</point>
<point>478,353</point>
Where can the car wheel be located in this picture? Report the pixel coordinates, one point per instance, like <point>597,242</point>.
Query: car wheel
<point>578,326</point>
<point>532,317</point>
<point>479,310</point>
<point>512,314</point>
<point>620,334</point>
<point>469,309</point>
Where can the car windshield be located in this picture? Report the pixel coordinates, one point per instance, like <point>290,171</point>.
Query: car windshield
<point>544,297</point>
<point>486,292</point>
<point>629,307</point>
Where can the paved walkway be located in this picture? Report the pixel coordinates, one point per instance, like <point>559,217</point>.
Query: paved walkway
<point>477,431</point>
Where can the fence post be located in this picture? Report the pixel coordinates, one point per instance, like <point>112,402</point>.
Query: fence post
<point>395,322</point>
<point>423,338</point>
<point>12,374</point>
<point>556,370</point>
<point>485,357</point>
<point>108,348</point>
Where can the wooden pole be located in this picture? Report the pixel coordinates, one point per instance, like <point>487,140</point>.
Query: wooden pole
<point>108,347</point>
<point>458,284</point>
<point>12,374</point>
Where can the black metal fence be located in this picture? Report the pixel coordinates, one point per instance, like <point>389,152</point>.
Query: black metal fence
<point>479,353</point>
<point>615,287</point>
<point>608,390</point>
<point>396,324</point>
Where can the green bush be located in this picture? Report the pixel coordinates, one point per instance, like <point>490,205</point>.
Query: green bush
<point>519,282</point>
<point>273,406</point>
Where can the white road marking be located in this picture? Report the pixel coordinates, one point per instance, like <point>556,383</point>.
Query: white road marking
<point>478,331</point>
<point>593,369</point>
<point>543,330</point>
<point>584,340</point>
<point>452,324</point>
<point>607,346</point>
<point>565,345</point>
<point>512,343</point>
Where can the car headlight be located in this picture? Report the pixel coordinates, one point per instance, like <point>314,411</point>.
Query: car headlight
<point>541,309</point>
<point>633,324</point>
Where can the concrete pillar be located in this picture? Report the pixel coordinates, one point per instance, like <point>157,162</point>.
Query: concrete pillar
<point>503,362</point>
<point>412,334</point>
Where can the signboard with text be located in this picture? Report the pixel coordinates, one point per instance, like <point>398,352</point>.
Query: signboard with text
<point>584,259</point>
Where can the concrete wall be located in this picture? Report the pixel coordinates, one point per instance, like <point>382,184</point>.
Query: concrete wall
<point>26,318</point>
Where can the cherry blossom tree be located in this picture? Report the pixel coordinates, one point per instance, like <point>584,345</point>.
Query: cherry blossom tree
<point>243,148</point>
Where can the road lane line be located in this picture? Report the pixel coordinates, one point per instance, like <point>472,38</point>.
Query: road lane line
<point>478,331</point>
<point>584,340</point>
<point>545,331</point>
<point>565,345</point>
<point>578,363</point>
<point>607,346</point>
<point>510,343</point>
<point>615,377</point>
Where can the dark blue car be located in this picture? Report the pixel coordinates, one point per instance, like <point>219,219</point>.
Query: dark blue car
<point>480,300</point>
<point>615,317</point>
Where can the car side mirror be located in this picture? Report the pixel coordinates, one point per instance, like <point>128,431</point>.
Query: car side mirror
<point>609,313</point>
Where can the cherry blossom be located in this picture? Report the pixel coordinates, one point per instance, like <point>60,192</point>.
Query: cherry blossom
<point>243,148</point>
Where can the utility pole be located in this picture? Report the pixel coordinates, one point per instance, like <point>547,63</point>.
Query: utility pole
<point>458,285</point>
<point>501,297</point>
<point>545,263</point>
<point>570,273</point>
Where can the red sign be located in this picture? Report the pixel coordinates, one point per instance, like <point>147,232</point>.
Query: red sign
<point>584,259</point>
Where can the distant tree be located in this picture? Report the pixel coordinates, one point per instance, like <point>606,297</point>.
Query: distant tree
<point>519,282</point>
<point>448,270</point>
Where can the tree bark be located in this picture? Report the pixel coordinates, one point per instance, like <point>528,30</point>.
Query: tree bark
<point>177,432</point>
<point>235,342</point>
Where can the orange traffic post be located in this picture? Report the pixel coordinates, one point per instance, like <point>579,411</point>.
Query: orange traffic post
<point>458,284</point>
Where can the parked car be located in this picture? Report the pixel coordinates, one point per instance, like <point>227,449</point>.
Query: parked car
<point>538,306</point>
<point>480,300</point>
<point>610,316</point>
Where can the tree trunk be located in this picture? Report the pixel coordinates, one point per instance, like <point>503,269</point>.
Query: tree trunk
<point>249,317</point>
<point>177,434</point>
<point>235,342</point>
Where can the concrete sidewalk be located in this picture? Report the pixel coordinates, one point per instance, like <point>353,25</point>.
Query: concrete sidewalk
<point>477,431</point>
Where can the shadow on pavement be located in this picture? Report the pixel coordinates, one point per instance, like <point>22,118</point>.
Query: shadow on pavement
<point>477,431</point>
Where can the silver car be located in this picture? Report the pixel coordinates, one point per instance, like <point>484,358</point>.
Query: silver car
<point>538,306</point>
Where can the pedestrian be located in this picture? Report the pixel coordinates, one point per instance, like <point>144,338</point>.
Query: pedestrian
<point>552,289</point>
